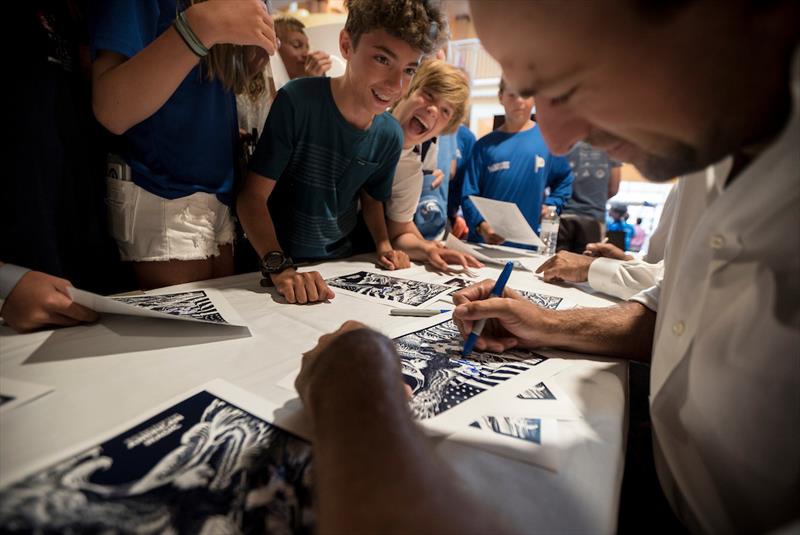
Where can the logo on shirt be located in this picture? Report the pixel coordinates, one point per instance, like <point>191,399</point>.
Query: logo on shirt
<point>499,166</point>
<point>539,164</point>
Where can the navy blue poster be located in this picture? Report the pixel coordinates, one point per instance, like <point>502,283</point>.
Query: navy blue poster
<point>201,466</point>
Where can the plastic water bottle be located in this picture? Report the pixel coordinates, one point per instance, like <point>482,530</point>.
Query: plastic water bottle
<point>549,231</point>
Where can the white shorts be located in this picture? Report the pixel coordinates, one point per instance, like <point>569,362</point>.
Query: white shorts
<point>149,228</point>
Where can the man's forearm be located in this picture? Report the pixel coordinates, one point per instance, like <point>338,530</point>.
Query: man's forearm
<point>625,330</point>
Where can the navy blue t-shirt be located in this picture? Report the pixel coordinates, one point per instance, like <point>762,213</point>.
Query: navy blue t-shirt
<point>189,144</point>
<point>321,163</point>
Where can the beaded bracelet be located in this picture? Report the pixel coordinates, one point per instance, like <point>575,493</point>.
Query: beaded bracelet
<point>188,36</point>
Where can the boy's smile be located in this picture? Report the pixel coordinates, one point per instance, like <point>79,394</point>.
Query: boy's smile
<point>422,115</point>
<point>379,68</point>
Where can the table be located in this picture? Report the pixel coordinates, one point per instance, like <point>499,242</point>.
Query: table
<point>96,390</point>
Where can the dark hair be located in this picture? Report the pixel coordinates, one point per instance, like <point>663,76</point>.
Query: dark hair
<point>419,23</point>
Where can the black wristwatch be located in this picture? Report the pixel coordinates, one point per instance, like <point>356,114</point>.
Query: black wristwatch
<point>275,262</point>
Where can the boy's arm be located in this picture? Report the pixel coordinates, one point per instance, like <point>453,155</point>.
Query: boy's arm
<point>389,258</point>
<point>406,237</point>
<point>126,91</point>
<point>253,212</point>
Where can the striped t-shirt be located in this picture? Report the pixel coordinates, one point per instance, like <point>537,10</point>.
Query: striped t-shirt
<point>321,163</point>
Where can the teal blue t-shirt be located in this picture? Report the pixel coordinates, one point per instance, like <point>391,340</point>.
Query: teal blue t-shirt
<point>321,163</point>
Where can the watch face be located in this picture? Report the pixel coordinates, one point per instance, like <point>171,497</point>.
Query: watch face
<point>273,260</point>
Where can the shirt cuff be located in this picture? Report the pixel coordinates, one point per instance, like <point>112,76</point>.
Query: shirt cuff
<point>10,275</point>
<point>601,272</point>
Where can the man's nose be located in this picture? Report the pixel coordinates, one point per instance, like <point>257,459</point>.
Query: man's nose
<point>561,129</point>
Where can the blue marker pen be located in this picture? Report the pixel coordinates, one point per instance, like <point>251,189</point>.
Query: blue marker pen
<point>497,291</point>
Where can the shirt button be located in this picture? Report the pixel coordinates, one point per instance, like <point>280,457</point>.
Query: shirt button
<point>678,328</point>
<point>717,242</point>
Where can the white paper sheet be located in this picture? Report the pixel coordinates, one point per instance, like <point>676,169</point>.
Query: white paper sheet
<point>506,220</point>
<point>15,393</point>
<point>203,305</point>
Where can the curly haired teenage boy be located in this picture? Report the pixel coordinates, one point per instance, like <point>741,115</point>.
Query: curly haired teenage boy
<point>329,143</point>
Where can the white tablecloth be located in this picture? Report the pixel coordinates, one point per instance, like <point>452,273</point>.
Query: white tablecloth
<point>106,374</point>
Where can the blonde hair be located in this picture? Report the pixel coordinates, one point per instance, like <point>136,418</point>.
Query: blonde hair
<point>286,24</point>
<point>446,81</point>
<point>229,64</point>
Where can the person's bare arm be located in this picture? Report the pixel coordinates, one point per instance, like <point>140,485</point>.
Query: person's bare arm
<point>624,330</point>
<point>406,237</point>
<point>373,213</point>
<point>251,206</point>
<point>613,181</point>
<point>126,91</point>
<point>375,472</point>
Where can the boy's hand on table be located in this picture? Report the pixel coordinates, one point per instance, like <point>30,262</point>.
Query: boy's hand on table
<point>392,259</point>
<point>302,288</point>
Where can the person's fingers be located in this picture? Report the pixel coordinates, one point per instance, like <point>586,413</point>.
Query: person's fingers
<point>311,288</point>
<point>79,313</point>
<point>546,264</point>
<point>286,289</point>
<point>60,319</point>
<point>475,292</point>
<point>323,290</point>
<point>385,262</point>
<point>438,263</point>
<point>408,391</point>
<point>299,289</point>
<point>494,307</point>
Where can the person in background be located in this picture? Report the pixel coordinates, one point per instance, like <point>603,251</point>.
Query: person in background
<point>513,164</point>
<point>465,140</point>
<point>164,82</point>
<point>619,223</point>
<point>295,51</point>
<point>436,103</point>
<point>329,144</point>
<point>583,217</point>
<point>639,236</point>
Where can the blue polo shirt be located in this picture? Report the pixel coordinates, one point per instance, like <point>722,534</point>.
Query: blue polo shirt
<point>189,144</point>
<point>321,163</point>
<point>514,167</point>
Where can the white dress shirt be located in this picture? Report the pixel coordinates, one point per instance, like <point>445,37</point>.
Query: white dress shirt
<point>725,377</point>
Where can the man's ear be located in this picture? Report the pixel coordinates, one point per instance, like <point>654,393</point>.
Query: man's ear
<point>345,45</point>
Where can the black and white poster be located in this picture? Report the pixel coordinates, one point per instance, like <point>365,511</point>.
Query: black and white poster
<point>205,306</point>
<point>205,464</point>
<point>441,378</point>
<point>387,289</point>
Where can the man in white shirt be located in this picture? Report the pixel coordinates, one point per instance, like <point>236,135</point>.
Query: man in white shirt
<point>706,90</point>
